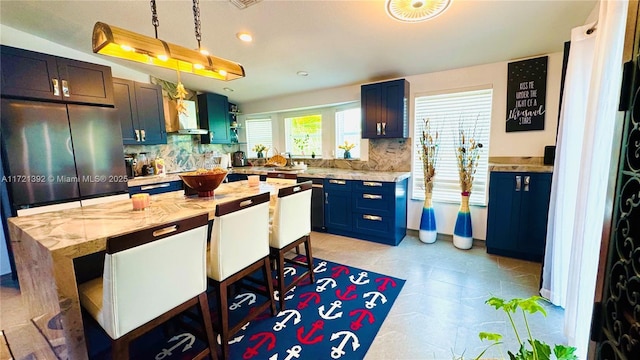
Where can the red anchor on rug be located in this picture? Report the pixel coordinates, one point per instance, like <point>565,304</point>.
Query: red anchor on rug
<point>385,280</point>
<point>346,296</point>
<point>308,297</point>
<point>306,339</point>
<point>364,313</point>
<point>262,338</point>
<point>339,269</point>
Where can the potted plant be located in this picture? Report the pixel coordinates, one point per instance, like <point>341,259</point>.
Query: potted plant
<point>468,155</point>
<point>428,150</point>
<point>302,143</point>
<point>259,149</point>
<point>347,149</point>
<point>532,348</point>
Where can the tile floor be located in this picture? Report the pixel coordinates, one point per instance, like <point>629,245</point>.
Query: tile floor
<point>441,307</point>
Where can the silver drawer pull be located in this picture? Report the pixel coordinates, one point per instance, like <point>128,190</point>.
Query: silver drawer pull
<point>65,88</point>
<point>339,182</point>
<point>372,217</point>
<point>371,196</point>
<point>56,89</point>
<point>158,186</point>
<point>527,180</point>
<point>165,231</point>
<point>371,183</point>
<point>518,182</point>
<point>246,203</point>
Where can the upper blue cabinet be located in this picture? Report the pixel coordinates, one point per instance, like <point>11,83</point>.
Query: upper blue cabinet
<point>385,109</point>
<point>32,75</point>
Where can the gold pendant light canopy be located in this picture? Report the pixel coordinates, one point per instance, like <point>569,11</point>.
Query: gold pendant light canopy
<point>113,41</point>
<point>416,10</point>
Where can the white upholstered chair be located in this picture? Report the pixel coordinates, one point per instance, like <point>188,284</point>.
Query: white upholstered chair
<point>282,178</point>
<point>239,246</point>
<point>291,227</point>
<point>150,276</point>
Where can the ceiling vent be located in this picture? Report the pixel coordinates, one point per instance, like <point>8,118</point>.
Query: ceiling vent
<point>243,4</point>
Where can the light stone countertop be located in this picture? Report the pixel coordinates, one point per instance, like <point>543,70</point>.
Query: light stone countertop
<point>310,172</point>
<point>521,168</point>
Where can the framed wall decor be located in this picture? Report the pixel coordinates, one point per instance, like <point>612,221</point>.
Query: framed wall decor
<point>526,94</point>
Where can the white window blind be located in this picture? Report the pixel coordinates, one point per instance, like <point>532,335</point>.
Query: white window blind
<point>447,113</point>
<point>258,132</point>
<point>348,128</point>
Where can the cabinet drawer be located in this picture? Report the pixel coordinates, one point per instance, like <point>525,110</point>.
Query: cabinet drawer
<point>373,202</point>
<point>158,188</point>
<point>373,224</point>
<point>337,185</point>
<point>374,187</point>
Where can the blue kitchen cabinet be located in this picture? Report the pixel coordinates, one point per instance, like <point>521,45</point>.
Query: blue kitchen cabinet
<point>385,109</point>
<point>140,111</point>
<point>157,188</point>
<point>517,214</point>
<point>235,177</point>
<point>368,210</point>
<point>213,112</point>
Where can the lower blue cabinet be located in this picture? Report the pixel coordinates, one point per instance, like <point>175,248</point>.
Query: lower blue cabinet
<point>517,214</point>
<point>157,188</point>
<point>368,210</point>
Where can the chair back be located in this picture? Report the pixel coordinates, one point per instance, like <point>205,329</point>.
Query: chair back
<point>282,178</point>
<point>240,235</point>
<point>151,271</point>
<point>292,215</point>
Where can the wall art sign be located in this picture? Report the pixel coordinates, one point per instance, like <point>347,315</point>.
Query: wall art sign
<point>526,94</point>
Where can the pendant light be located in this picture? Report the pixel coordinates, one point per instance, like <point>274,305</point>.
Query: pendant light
<point>415,10</point>
<point>124,44</point>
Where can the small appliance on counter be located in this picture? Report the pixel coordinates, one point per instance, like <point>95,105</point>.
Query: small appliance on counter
<point>130,163</point>
<point>239,159</point>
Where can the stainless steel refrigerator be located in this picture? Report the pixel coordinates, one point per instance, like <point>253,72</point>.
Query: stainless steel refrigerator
<point>60,153</point>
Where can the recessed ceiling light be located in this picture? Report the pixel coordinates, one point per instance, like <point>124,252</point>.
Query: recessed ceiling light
<point>228,89</point>
<point>302,73</point>
<point>244,36</point>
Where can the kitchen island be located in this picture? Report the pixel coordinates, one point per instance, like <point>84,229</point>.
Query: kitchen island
<point>45,246</point>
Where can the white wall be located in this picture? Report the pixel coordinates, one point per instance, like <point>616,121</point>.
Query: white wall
<point>519,144</point>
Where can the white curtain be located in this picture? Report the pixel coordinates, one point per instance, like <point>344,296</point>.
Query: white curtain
<point>581,170</point>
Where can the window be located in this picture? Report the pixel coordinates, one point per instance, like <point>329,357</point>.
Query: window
<point>448,113</point>
<point>303,135</point>
<point>258,132</point>
<point>348,128</point>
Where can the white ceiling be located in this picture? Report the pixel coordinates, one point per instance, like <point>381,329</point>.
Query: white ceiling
<point>337,42</point>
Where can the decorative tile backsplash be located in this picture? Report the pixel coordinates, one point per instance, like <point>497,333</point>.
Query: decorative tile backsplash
<point>186,153</point>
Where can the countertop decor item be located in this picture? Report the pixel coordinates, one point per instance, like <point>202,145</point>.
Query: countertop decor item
<point>259,149</point>
<point>428,150</point>
<point>204,181</point>
<point>347,149</point>
<point>468,155</point>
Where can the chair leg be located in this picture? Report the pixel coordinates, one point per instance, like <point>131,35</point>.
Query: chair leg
<point>281,286</point>
<point>307,246</point>
<point>208,327</point>
<point>223,315</point>
<point>267,278</point>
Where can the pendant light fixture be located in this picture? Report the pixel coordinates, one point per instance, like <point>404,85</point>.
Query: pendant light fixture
<point>124,44</point>
<point>415,10</point>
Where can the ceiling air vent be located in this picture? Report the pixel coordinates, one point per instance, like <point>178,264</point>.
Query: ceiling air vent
<point>243,4</point>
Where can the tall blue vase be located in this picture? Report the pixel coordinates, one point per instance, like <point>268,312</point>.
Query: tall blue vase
<point>428,231</point>
<point>462,233</point>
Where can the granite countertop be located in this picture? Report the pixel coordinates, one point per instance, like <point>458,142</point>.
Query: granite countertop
<point>310,172</point>
<point>77,232</point>
<point>521,168</point>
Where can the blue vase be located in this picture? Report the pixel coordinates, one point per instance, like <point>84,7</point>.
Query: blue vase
<point>428,231</point>
<point>462,233</point>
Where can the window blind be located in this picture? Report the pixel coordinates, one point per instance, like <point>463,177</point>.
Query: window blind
<point>258,132</point>
<point>447,113</point>
<point>348,128</point>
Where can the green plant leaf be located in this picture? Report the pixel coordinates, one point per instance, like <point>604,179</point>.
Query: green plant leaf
<point>563,352</point>
<point>532,306</point>
<point>496,302</point>
<point>490,336</point>
<point>542,350</point>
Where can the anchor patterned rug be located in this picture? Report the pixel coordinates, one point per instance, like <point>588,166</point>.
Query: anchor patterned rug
<point>336,318</point>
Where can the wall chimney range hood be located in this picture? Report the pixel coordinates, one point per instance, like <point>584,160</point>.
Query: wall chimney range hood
<point>183,124</point>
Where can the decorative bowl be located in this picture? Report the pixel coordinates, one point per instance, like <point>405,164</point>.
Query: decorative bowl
<point>204,181</point>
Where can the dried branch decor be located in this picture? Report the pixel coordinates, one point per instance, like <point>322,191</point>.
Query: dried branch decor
<point>468,155</point>
<point>429,146</point>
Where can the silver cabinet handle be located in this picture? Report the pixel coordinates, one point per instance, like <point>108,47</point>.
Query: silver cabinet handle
<point>384,128</point>
<point>158,186</point>
<point>372,217</point>
<point>518,182</point>
<point>371,196</point>
<point>144,135</point>
<point>527,181</point>
<point>326,198</point>
<point>65,88</point>
<point>378,129</point>
<point>137,135</point>
<point>339,182</point>
<point>56,89</point>
<point>371,183</point>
